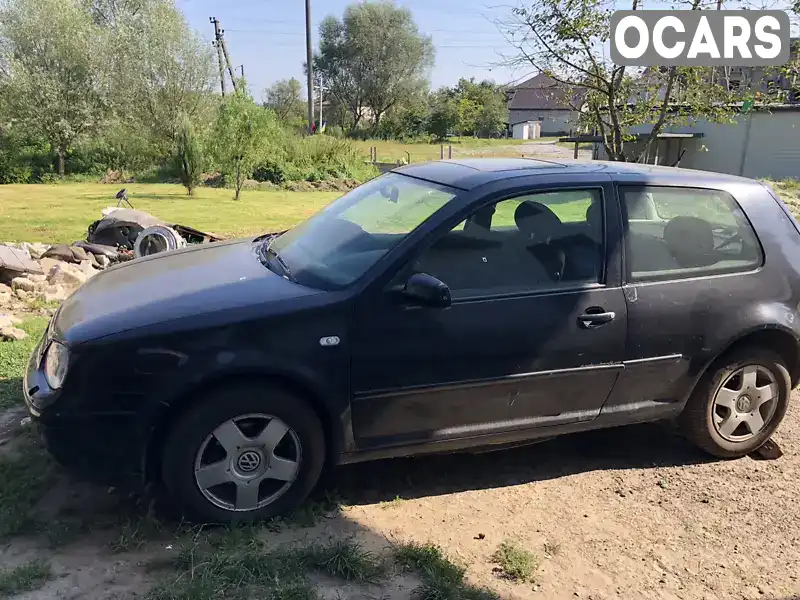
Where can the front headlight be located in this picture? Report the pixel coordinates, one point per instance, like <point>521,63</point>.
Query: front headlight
<point>56,360</point>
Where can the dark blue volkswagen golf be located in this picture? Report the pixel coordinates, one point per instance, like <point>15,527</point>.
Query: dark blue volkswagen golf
<point>440,307</point>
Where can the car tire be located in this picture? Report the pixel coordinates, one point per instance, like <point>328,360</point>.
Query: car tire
<point>718,416</point>
<point>220,440</point>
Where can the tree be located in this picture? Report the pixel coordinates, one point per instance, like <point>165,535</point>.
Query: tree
<point>444,115</point>
<point>567,39</point>
<point>188,155</point>
<point>341,67</point>
<point>157,71</point>
<point>491,121</point>
<point>284,99</point>
<point>406,120</point>
<point>482,107</point>
<point>113,13</point>
<point>49,85</point>
<point>241,132</point>
<point>365,66</point>
<point>788,74</point>
<point>468,111</point>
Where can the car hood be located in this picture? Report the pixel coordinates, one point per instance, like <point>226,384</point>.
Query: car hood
<point>206,280</point>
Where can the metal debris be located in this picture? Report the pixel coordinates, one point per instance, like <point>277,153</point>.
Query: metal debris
<point>141,232</point>
<point>121,234</point>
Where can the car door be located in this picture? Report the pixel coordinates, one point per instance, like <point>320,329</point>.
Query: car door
<point>520,347</point>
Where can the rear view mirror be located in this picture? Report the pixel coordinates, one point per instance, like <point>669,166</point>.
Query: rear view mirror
<point>428,291</point>
<point>391,192</point>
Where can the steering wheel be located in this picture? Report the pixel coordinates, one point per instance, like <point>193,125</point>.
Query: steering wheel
<point>733,235</point>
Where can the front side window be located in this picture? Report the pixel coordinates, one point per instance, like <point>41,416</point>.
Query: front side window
<point>677,232</point>
<point>534,242</point>
<point>340,243</point>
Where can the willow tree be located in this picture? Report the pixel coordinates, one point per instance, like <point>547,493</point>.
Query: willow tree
<point>156,70</point>
<point>50,83</point>
<point>373,58</point>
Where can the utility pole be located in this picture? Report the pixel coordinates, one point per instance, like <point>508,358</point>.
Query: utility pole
<point>227,57</point>
<point>216,43</point>
<point>241,67</point>
<point>310,82</point>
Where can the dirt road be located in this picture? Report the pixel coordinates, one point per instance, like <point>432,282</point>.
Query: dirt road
<point>627,513</point>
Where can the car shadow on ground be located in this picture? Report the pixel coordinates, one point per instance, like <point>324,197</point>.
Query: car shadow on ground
<point>632,447</point>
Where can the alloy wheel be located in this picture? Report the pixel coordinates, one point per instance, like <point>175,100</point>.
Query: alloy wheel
<point>248,462</point>
<point>745,403</point>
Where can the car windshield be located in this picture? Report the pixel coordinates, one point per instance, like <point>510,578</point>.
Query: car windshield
<point>336,246</point>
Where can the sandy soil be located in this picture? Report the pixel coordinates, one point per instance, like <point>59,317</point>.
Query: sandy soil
<point>552,150</point>
<point>627,513</point>
<point>544,150</point>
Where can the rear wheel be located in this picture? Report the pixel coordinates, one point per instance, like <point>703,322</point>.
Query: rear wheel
<point>244,453</point>
<point>738,403</point>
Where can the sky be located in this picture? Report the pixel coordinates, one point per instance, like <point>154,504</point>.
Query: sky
<point>268,36</point>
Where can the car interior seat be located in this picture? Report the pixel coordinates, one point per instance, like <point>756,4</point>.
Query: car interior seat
<point>538,226</point>
<point>690,241</point>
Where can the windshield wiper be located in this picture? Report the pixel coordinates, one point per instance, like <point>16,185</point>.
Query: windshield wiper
<point>287,272</point>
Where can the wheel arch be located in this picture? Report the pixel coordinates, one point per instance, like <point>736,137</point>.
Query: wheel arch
<point>165,419</point>
<point>776,338</point>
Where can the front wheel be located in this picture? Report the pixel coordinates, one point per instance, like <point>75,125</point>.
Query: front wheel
<point>244,453</point>
<point>738,403</point>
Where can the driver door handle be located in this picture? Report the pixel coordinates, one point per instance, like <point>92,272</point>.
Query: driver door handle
<point>595,317</point>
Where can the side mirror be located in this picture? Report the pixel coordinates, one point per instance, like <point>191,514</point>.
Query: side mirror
<point>428,291</point>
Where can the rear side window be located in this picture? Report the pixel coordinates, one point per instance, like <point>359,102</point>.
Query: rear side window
<point>674,233</point>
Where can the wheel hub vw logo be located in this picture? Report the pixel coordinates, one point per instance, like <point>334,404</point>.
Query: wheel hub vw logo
<point>743,404</point>
<point>249,461</point>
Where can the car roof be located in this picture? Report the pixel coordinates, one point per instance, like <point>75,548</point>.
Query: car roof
<point>469,173</point>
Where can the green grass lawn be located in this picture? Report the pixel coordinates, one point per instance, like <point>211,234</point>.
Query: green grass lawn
<point>14,358</point>
<point>62,212</point>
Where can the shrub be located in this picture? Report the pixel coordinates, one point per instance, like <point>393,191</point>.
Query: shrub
<point>516,562</point>
<point>23,159</point>
<point>119,148</point>
<point>163,173</point>
<point>311,158</point>
<point>271,169</point>
<point>335,131</point>
<point>188,155</point>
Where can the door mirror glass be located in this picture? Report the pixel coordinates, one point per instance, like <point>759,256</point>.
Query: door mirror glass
<point>426,290</point>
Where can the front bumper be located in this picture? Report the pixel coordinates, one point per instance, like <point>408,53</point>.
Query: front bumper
<point>81,448</point>
<point>100,447</point>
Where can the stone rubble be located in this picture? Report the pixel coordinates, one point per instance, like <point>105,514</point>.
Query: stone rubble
<point>64,268</point>
<point>12,334</point>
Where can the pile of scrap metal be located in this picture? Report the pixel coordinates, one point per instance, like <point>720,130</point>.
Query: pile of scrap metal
<point>134,233</point>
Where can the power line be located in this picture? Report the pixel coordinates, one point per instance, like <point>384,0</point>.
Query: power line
<point>441,43</point>
<point>298,34</point>
<point>249,20</point>
<point>290,33</point>
<point>300,44</point>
